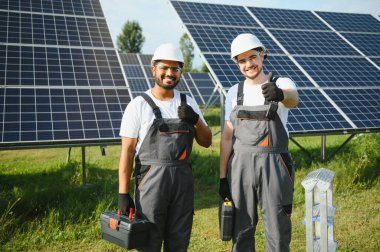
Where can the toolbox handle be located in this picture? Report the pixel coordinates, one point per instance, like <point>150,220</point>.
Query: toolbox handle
<point>130,213</point>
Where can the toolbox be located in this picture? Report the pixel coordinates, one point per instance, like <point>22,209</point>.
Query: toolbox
<point>126,232</point>
<point>226,219</point>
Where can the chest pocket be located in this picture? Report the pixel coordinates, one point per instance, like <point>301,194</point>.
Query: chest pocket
<point>175,139</point>
<point>251,125</point>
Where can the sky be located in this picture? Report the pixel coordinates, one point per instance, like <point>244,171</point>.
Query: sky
<point>161,24</point>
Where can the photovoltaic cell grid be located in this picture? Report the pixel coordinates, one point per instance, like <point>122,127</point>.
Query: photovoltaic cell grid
<point>138,72</point>
<point>60,78</point>
<point>288,19</point>
<point>68,7</point>
<point>362,106</point>
<point>329,60</point>
<point>315,113</point>
<point>350,22</point>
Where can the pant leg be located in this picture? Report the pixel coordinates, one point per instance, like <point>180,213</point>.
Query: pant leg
<point>152,200</point>
<point>243,190</point>
<point>275,195</point>
<point>180,211</point>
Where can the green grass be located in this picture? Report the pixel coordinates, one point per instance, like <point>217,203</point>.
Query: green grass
<point>44,207</point>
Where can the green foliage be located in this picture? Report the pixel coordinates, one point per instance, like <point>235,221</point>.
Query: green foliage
<point>204,68</point>
<point>131,39</point>
<point>44,207</point>
<point>187,49</point>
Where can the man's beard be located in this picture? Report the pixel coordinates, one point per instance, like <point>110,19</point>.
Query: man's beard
<point>160,82</point>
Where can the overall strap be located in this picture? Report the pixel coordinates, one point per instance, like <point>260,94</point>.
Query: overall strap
<point>156,109</point>
<point>183,99</point>
<point>240,94</point>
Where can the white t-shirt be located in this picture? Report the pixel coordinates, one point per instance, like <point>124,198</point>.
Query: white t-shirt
<point>253,96</point>
<point>139,116</point>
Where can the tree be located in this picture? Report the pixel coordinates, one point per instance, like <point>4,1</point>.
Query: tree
<point>204,68</point>
<point>187,49</point>
<point>130,39</point>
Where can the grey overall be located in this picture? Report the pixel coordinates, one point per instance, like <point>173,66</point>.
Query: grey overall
<point>260,173</point>
<point>164,191</point>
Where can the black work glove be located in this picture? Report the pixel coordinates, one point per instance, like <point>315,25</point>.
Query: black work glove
<point>186,113</point>
<point>224,189</point>
<point>271,92</point>
<point>125,203</point>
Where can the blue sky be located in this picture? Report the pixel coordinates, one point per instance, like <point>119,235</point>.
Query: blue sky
<point>160,23</point>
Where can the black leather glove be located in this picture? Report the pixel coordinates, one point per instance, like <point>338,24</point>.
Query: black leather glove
<point>224,189</point>
<point>186,113</point>
<point>125,203</point>
<point>271,92</point>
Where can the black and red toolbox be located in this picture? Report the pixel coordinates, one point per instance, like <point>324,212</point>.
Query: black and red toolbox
<point>126,232</point>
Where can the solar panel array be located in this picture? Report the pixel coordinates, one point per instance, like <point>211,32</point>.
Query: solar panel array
<point>61,81</point>
<point>138,71</point>
<point>334,59</point>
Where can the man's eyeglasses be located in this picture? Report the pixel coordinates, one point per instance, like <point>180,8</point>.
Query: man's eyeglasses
<point>166,68</point>
<point>250,58</point>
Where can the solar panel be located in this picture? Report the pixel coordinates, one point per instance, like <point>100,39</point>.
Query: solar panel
<point>288,19</point>
<point>313,43</point>
<point>366,43</point>
<point>362,106</point>
<point>351,22</point>
<point>341,71</point>
<point>212,14</point>
<point>61,80</point>
<point>217,39</point>
<point>315,114</point>
<point>229,74</point>
<point>376,60</point>
<point>68,7</point>
<point>301,45</point>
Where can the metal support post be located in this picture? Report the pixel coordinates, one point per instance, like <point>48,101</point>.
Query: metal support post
<point>68,155</point>
<point>323,148</point>
<point>84,178</point>
<point>319,211</point>
<point>221,111</point>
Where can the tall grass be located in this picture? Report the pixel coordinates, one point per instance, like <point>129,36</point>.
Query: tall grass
<point>44,207</point>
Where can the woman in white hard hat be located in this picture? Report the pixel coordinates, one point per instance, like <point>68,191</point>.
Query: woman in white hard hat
<point>255,167</point>
<point>157,130</point>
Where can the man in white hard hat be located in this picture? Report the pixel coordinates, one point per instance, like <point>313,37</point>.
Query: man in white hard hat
<point>157,130</point>
<point>255,167</point>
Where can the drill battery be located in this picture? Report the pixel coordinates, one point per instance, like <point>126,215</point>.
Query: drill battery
<point>126,232</point>
<point>226,224</point>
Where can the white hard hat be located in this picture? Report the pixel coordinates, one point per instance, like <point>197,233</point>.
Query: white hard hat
<point>244,42</point>
<point>167,51</point>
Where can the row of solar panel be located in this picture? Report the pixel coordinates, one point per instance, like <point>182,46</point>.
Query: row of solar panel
<point>299,42</point>
<point>48,29</point>
<point>339,87</point>
<point>35,114</point>
<point>229,15</point>
<point>32,114</point>
<point>327,71</point>
<point>51,66</point>
<point>69,7</point>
